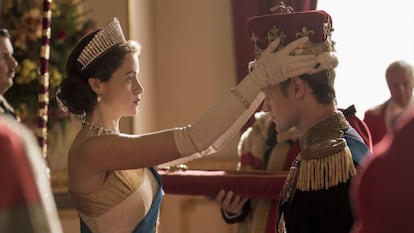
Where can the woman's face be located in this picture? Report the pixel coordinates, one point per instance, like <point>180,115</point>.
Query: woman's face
<point>122,92</point>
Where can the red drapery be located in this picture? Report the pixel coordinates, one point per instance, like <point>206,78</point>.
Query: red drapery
<point>244,9</point>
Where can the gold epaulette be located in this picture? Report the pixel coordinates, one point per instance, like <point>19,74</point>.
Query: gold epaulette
<point>326,166</point>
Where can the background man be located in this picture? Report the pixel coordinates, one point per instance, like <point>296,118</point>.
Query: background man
<point>7,69</point>
<point>381,119</point>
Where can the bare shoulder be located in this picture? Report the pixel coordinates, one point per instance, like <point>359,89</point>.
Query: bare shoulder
<point>82,150</point>
<point>84,176</point>
<point>78,143</point>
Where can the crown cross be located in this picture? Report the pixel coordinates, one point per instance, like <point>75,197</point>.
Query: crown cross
<point>305,32</point>
<point>274,32</point>
<point>282,7</point>
<point>327,29</point>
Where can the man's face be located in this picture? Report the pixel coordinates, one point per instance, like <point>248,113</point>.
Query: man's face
<point>400,83</point>
<point>280,107</point>
<point>7,64</point>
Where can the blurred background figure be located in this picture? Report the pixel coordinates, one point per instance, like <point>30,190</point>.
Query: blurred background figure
<point>7,69</point>
<point>382,192</point>
<point>381,119</point>
<point>26,200</point>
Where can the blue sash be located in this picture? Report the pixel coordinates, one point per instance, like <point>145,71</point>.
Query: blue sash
<point>148,223</point>
<point>356,144</point>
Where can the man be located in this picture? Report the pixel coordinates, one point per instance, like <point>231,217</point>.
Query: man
<point>400,80</point>
<point>315,195</point>
<point>7,69</point>
<point>26,200</point>
<point>262,148</point>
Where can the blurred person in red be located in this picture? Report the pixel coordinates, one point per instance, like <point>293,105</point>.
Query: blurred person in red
<point>26,200</point>
<point>382,192</point>
<point>400,80</point>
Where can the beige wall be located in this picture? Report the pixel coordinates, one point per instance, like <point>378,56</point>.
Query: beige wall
<point>102,11</point>
<point>195,64</point>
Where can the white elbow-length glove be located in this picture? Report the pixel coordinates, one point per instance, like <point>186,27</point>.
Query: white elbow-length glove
<point>223,120</point>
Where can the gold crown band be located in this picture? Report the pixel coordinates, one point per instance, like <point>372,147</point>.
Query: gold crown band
<point>315,48</point>
<point>106,38</point>
<point>309,48</point>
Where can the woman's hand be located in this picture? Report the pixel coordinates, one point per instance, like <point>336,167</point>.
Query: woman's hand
<point>275,67</point>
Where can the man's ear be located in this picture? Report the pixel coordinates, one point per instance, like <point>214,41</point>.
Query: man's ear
<point>298,86</point>
<point>95,84</point>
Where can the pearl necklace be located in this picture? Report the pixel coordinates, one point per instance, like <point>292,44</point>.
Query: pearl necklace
<point>96,129</point>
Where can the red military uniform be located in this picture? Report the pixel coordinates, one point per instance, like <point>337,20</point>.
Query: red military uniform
<point>375,120</point>
<point>381,119</point>
<point>26,200</point>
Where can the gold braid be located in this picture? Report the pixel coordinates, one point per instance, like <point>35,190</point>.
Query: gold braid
<point>325,159</point>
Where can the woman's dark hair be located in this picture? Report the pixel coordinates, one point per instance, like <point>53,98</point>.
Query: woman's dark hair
<point>75,92</point>
<point>4,33</point>
<point>321,84</point>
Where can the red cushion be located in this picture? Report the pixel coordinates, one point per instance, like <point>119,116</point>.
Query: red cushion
<point>208,183</point>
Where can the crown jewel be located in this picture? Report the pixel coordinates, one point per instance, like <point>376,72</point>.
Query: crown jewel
<point>106,38</point>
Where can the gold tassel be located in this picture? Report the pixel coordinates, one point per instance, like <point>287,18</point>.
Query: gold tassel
<point>323,173</point>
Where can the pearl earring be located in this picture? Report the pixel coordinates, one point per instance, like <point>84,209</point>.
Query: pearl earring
<point>99,98</point>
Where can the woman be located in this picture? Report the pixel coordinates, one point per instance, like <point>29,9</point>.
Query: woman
<point>111,177</point>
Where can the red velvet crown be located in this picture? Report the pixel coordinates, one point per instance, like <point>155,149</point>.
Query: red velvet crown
<point>315,24</point>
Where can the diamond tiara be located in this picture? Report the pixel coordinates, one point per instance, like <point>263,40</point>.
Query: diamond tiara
<point>106,38</point>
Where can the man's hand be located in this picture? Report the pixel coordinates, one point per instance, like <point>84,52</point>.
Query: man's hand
<point>230,202</point>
